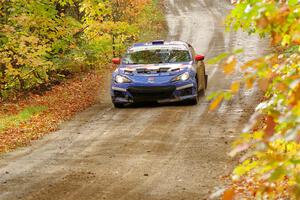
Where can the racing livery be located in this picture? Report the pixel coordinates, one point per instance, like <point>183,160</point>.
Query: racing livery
<point>160,72</point>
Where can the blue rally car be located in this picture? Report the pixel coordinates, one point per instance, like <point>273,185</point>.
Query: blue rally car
<point>160,72</point>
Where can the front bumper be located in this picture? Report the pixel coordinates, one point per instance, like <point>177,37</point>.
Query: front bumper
<point>129,93</point>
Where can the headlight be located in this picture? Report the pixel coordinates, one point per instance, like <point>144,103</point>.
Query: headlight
<point>122,79</point>
<point>183,77</point>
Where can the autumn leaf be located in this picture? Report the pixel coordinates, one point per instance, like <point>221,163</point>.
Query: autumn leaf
<point>235,87</point>
<point>229,65</point>
<point>263,84</point>
<point>281,87</point>
<point>262,22</point>
<point>216,102</point>
<point>249,82</point>
<point>295,96</point>
<point>228,194</point>
<point>276,38</point>
<point>270,127</point>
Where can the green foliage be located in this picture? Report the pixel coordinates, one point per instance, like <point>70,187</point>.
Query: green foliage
<point>42,41</point>
<point>272,146</point>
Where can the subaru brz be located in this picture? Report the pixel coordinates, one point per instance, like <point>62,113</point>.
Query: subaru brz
<point>158,71</point>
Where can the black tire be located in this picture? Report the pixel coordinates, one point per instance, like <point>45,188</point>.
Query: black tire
<point>118,105</point>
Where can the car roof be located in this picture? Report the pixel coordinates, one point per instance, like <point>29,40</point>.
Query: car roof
<point>160,44</point>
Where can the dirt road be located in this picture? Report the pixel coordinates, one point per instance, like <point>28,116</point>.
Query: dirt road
<point>151,152</point>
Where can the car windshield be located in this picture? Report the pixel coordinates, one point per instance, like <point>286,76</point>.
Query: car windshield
<point>156,56</point>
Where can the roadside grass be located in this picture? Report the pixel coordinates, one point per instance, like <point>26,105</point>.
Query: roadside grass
<point>24,115</point>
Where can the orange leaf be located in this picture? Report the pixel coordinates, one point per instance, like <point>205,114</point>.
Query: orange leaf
<point>230,65</point>
<point>262,22</point>
<point>216,102</point>
<point>276,38</point>
<point>270,127</point>
<point>281,87</point>
<point>295,96</point>
<point>263,84</point>
<point>228,195</point>
<point>235,87</point>
<point>249,82</point>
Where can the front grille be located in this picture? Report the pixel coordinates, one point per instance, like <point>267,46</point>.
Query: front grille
<point>151,93</point>
<point>152,71</point>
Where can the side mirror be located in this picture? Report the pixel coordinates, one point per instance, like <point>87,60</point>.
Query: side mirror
<point>199,57</point>
<point>116,61</point>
